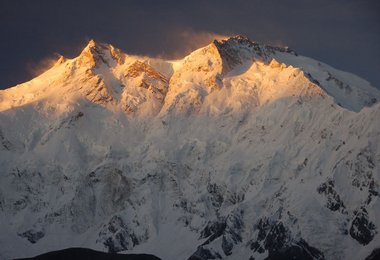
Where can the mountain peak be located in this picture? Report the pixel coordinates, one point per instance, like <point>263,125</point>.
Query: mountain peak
<point>91,43</point>
<point>104,71</point>
<point>94,54</point>
<point>94,47</point>
<point>239,49</point>
<point>241,39</point>
<point>236,50</point>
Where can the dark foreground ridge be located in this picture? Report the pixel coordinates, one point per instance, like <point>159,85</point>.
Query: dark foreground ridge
<point>84,254</point>
<point>374,255</point>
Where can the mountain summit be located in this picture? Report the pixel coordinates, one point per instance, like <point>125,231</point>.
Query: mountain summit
<point>237,151</point>
<point>102,74</point>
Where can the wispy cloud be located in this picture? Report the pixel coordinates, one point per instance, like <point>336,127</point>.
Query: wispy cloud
<point>37,68</point>
<point>188,40</point>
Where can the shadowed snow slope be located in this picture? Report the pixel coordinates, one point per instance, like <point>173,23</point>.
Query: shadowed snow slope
<point>238,150</point>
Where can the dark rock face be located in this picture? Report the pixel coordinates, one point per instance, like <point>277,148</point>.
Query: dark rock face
<point>88,254</point>
<point>227,245</point>
<point>227,230</point>
<point>217,194</point>
<point>363,175</point>
<point>213,230</point>
<point>362,229</point>
<point>32,236</point>
<point>347,89</point>
<point>232,234</point>
<point>116,236</point>
<point>362,170</point>
<point>4,143</point>
<point>275,238</point>
<point>334,202</point>
<point>271,237</point>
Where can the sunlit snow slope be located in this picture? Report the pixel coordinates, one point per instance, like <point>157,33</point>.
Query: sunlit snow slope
<point>237,151</point>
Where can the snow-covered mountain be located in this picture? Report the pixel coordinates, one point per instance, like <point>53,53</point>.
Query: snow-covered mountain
<point>237,151</point>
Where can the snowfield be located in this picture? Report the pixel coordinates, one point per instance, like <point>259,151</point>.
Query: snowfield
<point>237,151</point>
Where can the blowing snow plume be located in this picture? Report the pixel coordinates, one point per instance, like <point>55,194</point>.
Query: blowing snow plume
<point>36,68</point>
<point>188,40</point>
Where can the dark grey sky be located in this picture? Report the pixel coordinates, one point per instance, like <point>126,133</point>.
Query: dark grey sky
<point>342,33</point>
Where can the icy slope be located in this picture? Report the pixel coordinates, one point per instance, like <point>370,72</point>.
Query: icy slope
<point>238,150</point>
